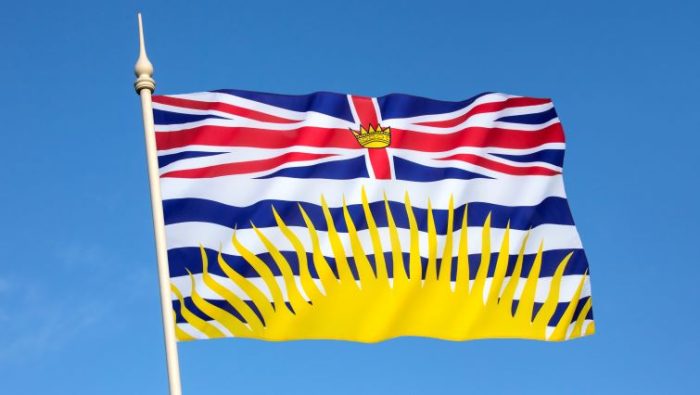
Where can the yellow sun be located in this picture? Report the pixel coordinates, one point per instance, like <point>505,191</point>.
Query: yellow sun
<point>377,307</point>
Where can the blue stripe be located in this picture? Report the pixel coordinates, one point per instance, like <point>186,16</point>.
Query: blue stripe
<point>333,104</point>
<point>398,105</point>
<point>531,119</point>
<point>161,117</point>
<point>556,316</point>
<point>553,156</point>
<point>552,210</point>
<point>336,170</point>
<point>164,160</point>
<point>411,171</point>
<point>189,258</point>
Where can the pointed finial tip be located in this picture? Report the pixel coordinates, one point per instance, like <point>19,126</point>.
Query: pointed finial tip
<point>143,68</point>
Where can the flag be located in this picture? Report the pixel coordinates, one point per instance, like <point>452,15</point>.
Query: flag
<point>333,216</point>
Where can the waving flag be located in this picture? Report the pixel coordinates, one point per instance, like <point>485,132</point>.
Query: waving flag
<point>330,216</point>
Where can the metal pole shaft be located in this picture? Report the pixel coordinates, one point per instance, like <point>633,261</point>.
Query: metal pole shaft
<point>145,86</point>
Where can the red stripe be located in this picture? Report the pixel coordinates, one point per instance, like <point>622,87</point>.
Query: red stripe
<point>223,107</point>
<point>260,138</point>
<point>476,137</point>
<point>381,166</point>
<point>364,107</point>
<point>487,107</point>
<point>252,166</point>
<point>341,138</point>
<point>502,167</point>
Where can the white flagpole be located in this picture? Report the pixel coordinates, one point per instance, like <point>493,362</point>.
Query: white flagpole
<point>145,85</point>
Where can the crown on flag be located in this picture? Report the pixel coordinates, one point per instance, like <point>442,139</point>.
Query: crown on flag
<point>373,138</point>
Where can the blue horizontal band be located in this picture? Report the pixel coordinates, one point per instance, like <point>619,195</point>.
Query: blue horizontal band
<point>552,210</point>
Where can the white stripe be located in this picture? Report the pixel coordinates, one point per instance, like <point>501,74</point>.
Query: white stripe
<point>569,284</point>
<point>353,110</point>
<point>216,237</point>
<point>390,155</point>
<point>312,119</point>
<point>194,332</point>
<point>375,104</point>
<point>235,191</point>
<point>368,166</point>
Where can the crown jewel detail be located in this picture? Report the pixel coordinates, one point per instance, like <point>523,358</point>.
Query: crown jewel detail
<point>372,137</point>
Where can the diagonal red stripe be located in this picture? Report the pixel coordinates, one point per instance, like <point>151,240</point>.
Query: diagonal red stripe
<point>244,167</point>
<point>223,107</point>
<point>502,167</point>
<point>487,107</point>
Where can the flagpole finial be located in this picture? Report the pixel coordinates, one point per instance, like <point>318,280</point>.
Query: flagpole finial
<point>143,68</point>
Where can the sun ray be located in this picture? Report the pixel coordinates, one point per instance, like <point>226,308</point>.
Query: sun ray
<point>481,273</point>
<point>198,323</point>
<point>364,269</point>
<point>462,282</point>
<point>415,269</point>
<point>508,294</point>
<point>264,272</point>
<point>446,261</point>
<point>341,260</point>
<point>324,271</point>
<point>379,261</point>
<point>256,295</point>
<point>500,272</point>
<point>239,305</point>
<point>295,298</point>
<point>307,282</point>
<point>527,299</point>
<point>398,268</point>
<point>431,269</point>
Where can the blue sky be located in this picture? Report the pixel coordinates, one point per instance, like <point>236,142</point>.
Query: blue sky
<point>79,306</point>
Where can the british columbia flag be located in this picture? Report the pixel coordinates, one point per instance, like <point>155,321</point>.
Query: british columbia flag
<point>240,161</point>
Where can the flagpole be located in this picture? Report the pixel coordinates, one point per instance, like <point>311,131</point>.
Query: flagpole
<point>145,85</point>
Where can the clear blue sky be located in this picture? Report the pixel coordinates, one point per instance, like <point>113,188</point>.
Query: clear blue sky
<point>79,306</point>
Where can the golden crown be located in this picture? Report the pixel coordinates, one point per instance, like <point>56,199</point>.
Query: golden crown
<point>373,138</point>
